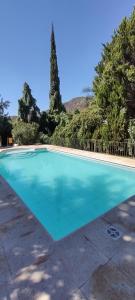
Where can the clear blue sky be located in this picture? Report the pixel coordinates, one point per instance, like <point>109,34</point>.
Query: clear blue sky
<point>81,26</point>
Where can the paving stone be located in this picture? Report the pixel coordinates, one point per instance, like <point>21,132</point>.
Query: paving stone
<point>121,217</point>
<point>7,214</point>
<point>23,231</point>
<point>125,257</point>
<point>18,258</point>
<point>128,206</point>
<point>76,295</point>
<point>4,292</point>
<point>80,257</point>
<point>96,232</point>
<point>50,279</point>
<point>5,273</point>
<point>108,283</point>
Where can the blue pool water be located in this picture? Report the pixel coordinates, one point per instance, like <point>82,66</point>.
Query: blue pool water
<point>65,192</point>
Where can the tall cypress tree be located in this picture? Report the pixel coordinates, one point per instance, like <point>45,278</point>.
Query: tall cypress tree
<point>55,96</point>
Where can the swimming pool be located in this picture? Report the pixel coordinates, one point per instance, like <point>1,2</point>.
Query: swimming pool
<point>65,192</point>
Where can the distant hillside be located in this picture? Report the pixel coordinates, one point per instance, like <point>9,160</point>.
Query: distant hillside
<point>76,103</point>
<point>13,118</point>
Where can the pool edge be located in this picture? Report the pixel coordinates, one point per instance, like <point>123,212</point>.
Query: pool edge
<point>118,160</point>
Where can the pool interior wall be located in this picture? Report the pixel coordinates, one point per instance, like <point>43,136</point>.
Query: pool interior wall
<point>65,192</point>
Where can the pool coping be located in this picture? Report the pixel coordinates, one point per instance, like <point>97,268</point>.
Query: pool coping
<point>88,236</point>
<point>125,161</point>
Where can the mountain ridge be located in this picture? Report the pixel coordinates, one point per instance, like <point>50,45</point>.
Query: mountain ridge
<point>76,103</point>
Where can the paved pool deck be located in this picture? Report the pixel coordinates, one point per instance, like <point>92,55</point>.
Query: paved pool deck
<point>86,265</point>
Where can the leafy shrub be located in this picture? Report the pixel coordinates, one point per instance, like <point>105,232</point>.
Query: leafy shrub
<point>131,130</point>
<point>44,138</point>
<point>78,130</point>
<point>25,133</point>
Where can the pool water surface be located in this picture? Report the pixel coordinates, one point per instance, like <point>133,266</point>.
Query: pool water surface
<point>65,192</point>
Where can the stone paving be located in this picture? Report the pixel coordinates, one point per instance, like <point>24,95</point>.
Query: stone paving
<point>86,265</point>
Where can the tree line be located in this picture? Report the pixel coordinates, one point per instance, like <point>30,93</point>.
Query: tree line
<point>110,115</point>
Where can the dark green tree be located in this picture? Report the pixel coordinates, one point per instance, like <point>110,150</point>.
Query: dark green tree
<point>43,123</point>
<point>55,96</point>
<point>28,110</point>
<point>48,122</point>
<point>114,85</point>
<point>5,122</point>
